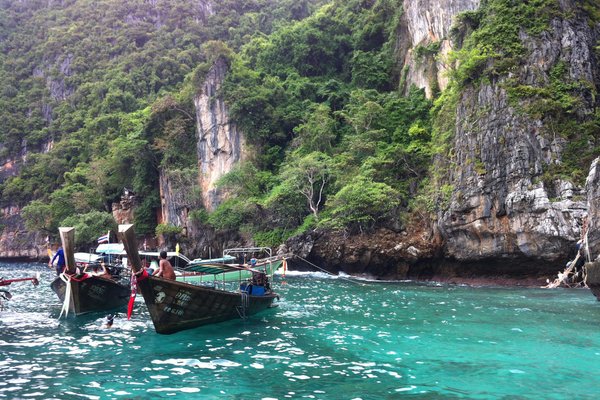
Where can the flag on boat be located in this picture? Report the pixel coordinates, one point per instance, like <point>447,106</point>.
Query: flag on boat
<point>104,238</point>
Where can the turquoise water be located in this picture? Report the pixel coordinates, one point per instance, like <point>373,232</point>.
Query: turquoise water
<point>328,339</point>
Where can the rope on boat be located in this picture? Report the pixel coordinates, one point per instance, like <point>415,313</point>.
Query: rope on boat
<point>244,306</point>
<point>324,270</point>
<point>67,302</point>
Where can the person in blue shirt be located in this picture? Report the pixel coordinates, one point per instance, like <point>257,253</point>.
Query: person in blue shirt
<point>60,265</point>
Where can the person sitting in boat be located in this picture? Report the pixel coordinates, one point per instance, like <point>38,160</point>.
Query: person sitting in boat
<point>145,265</point>
<point>165,269</point>
<point>98,270</point>
<point>259,278</point>
<point>104,273</point>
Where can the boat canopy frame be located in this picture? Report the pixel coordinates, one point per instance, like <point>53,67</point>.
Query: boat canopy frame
<point>243,251</point>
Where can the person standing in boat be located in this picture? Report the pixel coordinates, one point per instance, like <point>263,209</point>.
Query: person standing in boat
<point>165,269</point>
<point>60,265</point>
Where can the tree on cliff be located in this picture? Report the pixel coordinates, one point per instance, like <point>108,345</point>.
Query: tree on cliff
<point>308,175</point>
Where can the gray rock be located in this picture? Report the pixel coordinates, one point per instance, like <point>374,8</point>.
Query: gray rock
<point>501,206</point>
<point>220,143</point>
<point>592,185</point>
<point>425,22</point>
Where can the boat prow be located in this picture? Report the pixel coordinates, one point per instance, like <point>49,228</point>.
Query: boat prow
<point>91,294</point>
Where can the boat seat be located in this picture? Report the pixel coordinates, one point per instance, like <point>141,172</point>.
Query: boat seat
<point>254,290</point>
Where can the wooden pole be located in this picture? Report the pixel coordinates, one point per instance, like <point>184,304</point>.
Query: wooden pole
<point>67,237</point>
<point>127,236</point>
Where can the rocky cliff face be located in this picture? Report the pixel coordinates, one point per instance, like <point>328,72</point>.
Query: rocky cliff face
<point>220,146</point>
<point>178,196</point>
<point>505,219</point>
<point>15,241</point>
<point>220,143</point>
<point>501,206</point>
<point>593,210</point>
<point>424,40</point>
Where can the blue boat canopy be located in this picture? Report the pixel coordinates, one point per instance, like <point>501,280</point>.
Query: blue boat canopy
<point>110,248</point>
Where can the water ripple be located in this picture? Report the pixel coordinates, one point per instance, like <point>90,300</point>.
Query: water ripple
<point>329,338</point>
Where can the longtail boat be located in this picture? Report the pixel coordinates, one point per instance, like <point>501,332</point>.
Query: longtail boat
<point>174,305</point>
<point>84,291</point>
<point>5,294</point>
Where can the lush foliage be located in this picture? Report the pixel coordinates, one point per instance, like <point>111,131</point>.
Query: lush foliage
<point>317,101</point>
<point>489,39</point>
<point>89,226</point>
<point>99,95</point>
<point>168,231</point>
<point>362,203</point>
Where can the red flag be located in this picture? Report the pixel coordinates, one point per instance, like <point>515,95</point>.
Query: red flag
<point>130,306</point>
<point>132,297</point>
<point>134,280</point>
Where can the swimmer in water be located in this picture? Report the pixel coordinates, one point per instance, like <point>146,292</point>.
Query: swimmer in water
<point>109,321</point>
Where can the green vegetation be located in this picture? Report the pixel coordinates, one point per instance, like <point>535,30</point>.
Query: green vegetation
<point>100,95</point>
<point>109,84</point>
<point>316,100</point>
<point>489,42</point>
<point>168,231</point>
<point>90,225</point>
<point>430,49</point>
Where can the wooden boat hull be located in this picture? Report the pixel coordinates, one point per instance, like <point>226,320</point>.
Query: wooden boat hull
<point>175,306</point>
<point>93,294</point>
<point>592,280</point>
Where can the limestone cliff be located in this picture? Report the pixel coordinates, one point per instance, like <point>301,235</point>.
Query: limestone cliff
<point>178,196</point>
<point>501,204</point>
<point>593,208</point>
<point>506,217</point>
<point>220,146</point>
<point>424,41</point>
<point>220,143</point>
<point>16,242</point>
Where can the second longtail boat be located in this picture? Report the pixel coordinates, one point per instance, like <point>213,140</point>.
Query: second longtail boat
<point>88,290</point>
